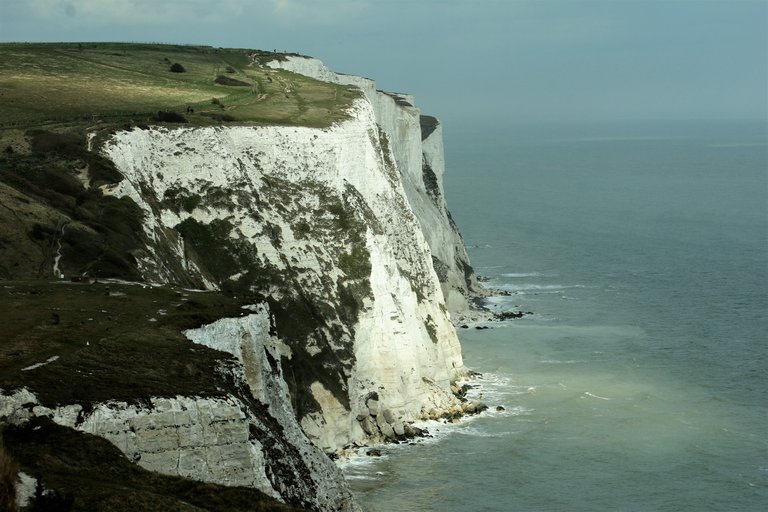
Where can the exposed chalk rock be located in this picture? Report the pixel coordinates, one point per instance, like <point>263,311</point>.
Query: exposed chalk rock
<point>228,440</point>
<point>318,217</point>
<point>417,144</point>
<point>25,489</point>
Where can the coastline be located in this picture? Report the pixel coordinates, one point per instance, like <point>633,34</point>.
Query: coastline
<point>478,393</point>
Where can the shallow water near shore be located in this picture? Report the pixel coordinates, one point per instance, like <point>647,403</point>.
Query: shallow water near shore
<point>640,381</point>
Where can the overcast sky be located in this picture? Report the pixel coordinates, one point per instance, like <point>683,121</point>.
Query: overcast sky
<point>521,60</point>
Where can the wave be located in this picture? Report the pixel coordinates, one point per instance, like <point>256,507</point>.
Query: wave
<point>493,389</point>
<point>526,274</point>
<point>739,145</point>
<point>476,432</point>
<point>539,288</point>
<point>626,138</point>
<point>588,394</point>
<point>361,476</point>
<point>497,390</point>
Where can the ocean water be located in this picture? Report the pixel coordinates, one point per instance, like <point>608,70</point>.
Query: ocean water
<point>640,382</point>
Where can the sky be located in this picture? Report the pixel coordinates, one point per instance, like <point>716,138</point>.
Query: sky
<point>519,61</point>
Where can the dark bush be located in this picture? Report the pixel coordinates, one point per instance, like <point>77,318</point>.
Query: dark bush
<point>58,180</point>
<point>169,116</point>
<point>226,118</point>
<point>68,144</point>
<point>177,68</point>
<point>42,232</point>
<point>8,476</point>
<point>50,500</point>
<point>189,203</point>
<point>102,171</point>
<point>226,80</point>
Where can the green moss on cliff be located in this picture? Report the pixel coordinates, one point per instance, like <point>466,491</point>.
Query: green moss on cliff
<point>54,207</point>
<point>356,264</point>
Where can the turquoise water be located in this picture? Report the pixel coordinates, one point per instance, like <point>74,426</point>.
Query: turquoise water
<point>640,381</point>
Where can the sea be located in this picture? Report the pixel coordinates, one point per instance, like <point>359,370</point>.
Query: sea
<point>640,381</point>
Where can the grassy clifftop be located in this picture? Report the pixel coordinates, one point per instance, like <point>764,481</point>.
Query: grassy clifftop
<point>67,83</point>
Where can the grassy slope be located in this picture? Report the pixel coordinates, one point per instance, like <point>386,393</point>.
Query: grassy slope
<point>124,345</point>
<point>111,82</point>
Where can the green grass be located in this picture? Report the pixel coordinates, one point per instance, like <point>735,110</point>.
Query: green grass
<point>47,206</point>
<point>92,83</point>
<point>126,345</point>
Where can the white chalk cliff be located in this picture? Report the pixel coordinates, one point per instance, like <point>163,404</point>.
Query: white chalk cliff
<point>417,143</point>
<point>341,238</point>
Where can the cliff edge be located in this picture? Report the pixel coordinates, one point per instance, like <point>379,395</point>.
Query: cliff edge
<point>416,141</point>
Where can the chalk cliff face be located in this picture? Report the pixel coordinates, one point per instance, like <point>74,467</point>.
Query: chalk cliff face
<point>417,144</point>
<point>318,224</point>
<point>341,240</point>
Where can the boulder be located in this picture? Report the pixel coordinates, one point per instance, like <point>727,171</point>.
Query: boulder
<point>386,429</point>
<point>411,431</point>
<point>369,426</point>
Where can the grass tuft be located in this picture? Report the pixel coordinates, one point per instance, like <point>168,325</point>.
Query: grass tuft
<point>8,475</point>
